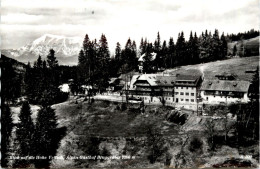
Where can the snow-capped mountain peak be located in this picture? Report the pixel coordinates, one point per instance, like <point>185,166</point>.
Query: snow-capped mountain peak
<point>66,49</point>
<point>63,46</point>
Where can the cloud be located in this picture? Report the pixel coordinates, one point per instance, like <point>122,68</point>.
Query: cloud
<point>120,19</point>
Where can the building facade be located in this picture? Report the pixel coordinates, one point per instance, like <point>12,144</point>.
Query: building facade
<point>153,88</point>
<point>186,91</point>
<point>224,91</point>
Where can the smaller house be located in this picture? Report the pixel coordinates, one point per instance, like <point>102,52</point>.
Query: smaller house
<point>65,88</point>
<point>115,86</point>
<point>224,91</point>
<point>141,61</point>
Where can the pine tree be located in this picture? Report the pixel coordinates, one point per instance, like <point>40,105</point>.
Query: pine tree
<point>216,45</point>
<point>190,50</point>
<point>118,52</point>
<point>46,138</point>
<point>24,135</point>
<point>81,57</point>
<point>157,43</point>
<point>51,59</point>
<point>195,49</point>
<point>223,46</point>
<point>6,134</point>
<point>171,53</point>
<point>142,47</point>
<point>148,62</point>
<point>163,53</point>
<point>103,57</point>
<point>39,62</point>
<point>134,55</point>
<point>181,50</point>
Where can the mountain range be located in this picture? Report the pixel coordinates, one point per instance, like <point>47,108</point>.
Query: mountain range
<point>66,49</point>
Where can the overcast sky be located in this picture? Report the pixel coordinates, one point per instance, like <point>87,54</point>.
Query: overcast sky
<point>25,20</point>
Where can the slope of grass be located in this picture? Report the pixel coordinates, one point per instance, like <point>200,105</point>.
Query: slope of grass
<point>251,45</point>
<point>236,66</point>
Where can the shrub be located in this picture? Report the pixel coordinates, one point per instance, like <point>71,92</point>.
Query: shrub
<point>196,145</point>
<point>123,107</point>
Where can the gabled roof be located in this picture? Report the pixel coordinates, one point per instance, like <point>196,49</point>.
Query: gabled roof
<point>187,77</point>
<point>194,79</point>
<point>141,59</point>
<point>225,85</point>
<point>154,79</point>
<point>133,80</point>
<point>150,78</point>
<point>112,80</point>
<point>165,80</point>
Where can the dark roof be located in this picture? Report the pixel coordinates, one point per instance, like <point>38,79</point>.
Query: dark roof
<point>187,77</point>
<point>154,79</point>
<point>194,79</point>
<point>225,85</point>
<point>165,80</point>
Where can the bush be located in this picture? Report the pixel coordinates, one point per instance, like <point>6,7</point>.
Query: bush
<point>196,145</point>
<point>123,107</point>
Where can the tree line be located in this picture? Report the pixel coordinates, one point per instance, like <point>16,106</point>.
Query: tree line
<point>94,60</point>
<point>41,81</point>
<point>243,36</point>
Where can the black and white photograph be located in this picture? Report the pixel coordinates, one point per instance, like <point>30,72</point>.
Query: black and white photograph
<point>129,83</point>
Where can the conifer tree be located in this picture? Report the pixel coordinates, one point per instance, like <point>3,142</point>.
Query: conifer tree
<point>81,58</point>
<point>190,50</point>
<point>223,46</point>
<point>46,138</point>
<point>118,51</point>
<point>171,53</point>
<point>39,62</point>
<point>6,134</point>
<point>51,59</point>
<point>163,53</point>
<point>216,45</point>
<point>24,136</point>
<point>141,47</point>
<point>102,62</point>
<point>195,49</point>
<point>181,49</point>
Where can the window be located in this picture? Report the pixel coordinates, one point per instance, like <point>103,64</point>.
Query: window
<point>176,93</point>
<point>187,94</point>
<point>192,100</point>
<point>182,93</point>
<point>176,87</point>
<point>187,100</point>
<point>186,87</point>
<point>181,87</point>
<point>181,99</point>
<point>192,94</point>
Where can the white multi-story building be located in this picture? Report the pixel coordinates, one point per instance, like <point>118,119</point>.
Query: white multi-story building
<point>186,91</point>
